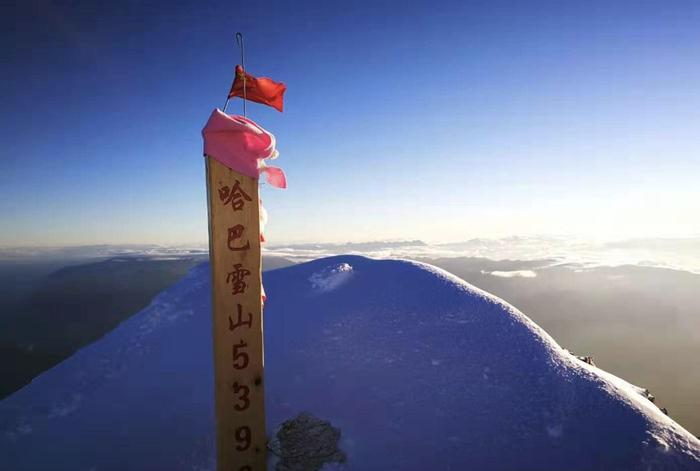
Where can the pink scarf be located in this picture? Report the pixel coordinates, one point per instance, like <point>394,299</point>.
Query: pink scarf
<point>243,146</point>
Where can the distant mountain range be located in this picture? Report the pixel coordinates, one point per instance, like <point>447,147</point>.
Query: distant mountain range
<point>676,253</point>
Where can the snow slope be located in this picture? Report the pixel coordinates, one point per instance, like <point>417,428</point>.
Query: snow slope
<point>418,369</point>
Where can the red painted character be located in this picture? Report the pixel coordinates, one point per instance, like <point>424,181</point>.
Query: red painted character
<point>239,319</point>
<point>237,279</point>
<point>234,195</point>
<point>240,355</point>
<point>242,393</point>
<point>234,233</point>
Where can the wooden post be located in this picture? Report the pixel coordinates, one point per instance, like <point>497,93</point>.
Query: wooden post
<point>234,252</point>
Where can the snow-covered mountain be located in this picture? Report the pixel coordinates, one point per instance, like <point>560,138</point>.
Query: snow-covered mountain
<point>417,369</point>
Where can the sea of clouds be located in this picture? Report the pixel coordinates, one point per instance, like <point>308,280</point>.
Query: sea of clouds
<point>672,253</point>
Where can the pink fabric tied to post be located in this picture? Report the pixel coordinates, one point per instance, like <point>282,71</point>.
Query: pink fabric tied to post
<point>240,144</point>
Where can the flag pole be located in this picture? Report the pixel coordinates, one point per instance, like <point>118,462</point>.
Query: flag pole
<point>239,41</point>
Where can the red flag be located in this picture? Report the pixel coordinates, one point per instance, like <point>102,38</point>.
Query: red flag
<point>260,90</point>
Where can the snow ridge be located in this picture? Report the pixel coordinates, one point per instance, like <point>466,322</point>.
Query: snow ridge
<point>416,368</point>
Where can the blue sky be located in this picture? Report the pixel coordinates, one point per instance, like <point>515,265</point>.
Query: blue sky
<point>435,120</point>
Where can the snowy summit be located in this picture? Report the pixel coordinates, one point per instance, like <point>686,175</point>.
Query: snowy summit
<point>408,367</point>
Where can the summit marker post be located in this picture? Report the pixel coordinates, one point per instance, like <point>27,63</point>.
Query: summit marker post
<point>234,250</point>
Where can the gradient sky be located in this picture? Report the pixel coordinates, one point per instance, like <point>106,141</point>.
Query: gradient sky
<point>435,120</point>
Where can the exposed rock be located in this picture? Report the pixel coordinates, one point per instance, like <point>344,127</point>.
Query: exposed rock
<point>306,443</point>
